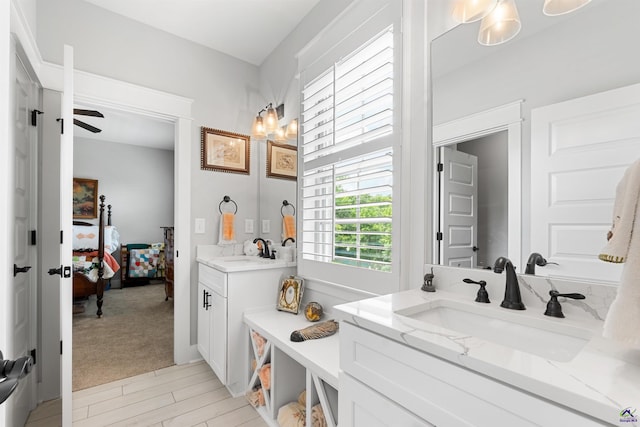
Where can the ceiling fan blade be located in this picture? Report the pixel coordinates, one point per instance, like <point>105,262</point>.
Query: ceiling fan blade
<point>92,113</point>
<point>86,126</point>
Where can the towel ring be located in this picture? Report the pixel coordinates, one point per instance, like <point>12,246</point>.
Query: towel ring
<point>227,199</point>
<point>284,205</point>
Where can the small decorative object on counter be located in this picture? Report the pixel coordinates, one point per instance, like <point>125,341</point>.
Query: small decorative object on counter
<point>427,286</point>
<point>313,311</point>
<point>320,330</point>
<point>290,294</point>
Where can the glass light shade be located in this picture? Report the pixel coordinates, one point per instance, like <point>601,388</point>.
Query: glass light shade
<point>292,129</point>
<point>271,120</point>
<point>466,11</point>
<point>280,135</point>
<point>501,25</point>
<point>258,130</point>
<point>560,7</point>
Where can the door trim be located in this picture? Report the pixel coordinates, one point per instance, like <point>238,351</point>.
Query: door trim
<point>505,117</point>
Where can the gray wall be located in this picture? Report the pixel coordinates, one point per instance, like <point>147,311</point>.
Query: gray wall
<point>137,182</point>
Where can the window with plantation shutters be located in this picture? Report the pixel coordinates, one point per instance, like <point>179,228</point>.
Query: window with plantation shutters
<point>347,139</point>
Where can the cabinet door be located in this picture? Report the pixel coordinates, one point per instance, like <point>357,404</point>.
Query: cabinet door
<point>360,406</point>
<point>218,331</point>
<point>204,322</point>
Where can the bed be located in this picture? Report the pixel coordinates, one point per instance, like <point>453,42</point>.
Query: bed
<point>93,263</point>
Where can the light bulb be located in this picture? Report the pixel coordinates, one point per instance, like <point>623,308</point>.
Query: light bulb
<point>258,128</point>
<point>466,11</point>
<point>270,120</point>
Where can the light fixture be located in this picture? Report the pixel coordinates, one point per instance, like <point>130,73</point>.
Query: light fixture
<point>501,25</point>
<point>500,18</point>
<point>560,7</point>
<point>269,127</point>
<point>466,11</point>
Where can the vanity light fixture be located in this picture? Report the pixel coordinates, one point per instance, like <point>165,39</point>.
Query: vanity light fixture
<point>500,18</point>
<point>268,126</point>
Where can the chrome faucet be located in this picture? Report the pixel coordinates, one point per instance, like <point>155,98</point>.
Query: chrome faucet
<point>536,259</point>
<point>265,247</point>
<point>512,299</point>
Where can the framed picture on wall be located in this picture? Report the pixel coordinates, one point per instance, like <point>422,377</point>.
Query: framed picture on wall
<point>85,198</point>
<point>282,161</point>
<point>224,151</point>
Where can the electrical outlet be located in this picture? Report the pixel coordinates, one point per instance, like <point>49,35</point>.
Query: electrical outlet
<point>199,226</point>
<point>248,226</point>
<point>266,226</point>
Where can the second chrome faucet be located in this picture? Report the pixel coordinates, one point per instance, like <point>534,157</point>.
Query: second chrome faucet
<point>512,298</point>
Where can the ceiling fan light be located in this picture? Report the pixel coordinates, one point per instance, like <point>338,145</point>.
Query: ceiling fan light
<point>258,130</point>
<point>501,25</point>
<point>466,11</point>
<point>560,7</point>
<point>271,120</point>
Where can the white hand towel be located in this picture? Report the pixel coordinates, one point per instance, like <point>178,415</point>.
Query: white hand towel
<point>623,316</point>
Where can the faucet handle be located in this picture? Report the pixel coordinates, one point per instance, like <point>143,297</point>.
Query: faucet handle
<point>554,308</point>
<point>483,295</point>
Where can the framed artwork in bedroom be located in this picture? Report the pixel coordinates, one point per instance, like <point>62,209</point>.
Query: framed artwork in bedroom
<point>85,198</point>
<point>224,151</point>
<point>282,161</point>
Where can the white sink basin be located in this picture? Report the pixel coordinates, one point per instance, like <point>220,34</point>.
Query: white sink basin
<point>542,337</point>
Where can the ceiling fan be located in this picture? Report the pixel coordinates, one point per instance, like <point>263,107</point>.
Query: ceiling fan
<point>92,113</point>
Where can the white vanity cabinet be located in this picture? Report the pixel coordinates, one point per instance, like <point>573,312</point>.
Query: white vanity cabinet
<point>385,381</point>
<point>223,297</point>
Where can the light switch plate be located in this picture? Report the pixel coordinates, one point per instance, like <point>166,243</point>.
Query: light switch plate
<point>248,226</point>
<point>199,226</point>
<point>266,226</point>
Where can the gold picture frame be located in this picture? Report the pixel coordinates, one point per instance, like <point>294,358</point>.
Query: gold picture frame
<point>290,294</point>
<point>282,161</point>
<point>224,151</point>
<point>85,198</point>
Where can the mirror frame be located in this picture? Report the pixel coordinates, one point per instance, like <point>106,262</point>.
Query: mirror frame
<point>505,117</point>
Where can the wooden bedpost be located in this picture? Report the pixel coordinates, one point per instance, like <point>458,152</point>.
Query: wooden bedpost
<point>100,282</point>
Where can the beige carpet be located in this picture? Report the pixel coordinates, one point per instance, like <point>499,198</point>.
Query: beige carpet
<point>134,336</point>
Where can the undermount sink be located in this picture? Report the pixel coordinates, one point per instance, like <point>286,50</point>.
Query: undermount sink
<point>542,337</point>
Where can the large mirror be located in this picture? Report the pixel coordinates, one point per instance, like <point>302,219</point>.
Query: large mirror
<point>482,103</point>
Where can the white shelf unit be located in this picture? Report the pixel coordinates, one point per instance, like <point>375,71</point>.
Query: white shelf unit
<point>295,366</point>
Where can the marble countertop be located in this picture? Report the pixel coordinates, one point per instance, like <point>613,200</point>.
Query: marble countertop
<point>230,258</point>
<point>601,380</point>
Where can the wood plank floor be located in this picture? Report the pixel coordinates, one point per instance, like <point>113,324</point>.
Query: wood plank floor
<point>181,396</point>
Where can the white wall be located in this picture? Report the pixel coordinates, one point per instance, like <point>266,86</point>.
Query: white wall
<point>137,182</point>
<point>223,88</point>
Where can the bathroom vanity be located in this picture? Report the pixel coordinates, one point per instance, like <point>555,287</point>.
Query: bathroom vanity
<point>227,287</point>
<point>442,359</point>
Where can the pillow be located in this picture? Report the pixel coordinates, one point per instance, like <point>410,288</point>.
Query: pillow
<point>143,262</point>
<point>86,237</point>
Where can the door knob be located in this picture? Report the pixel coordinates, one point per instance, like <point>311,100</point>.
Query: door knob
<point>54,271</point>
<point>17,269</point>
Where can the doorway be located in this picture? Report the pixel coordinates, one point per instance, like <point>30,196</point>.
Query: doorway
<point>132,160</point>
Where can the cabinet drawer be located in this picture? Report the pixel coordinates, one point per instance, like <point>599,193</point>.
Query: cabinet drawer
<point>440,392</point>
<point>214,279</point>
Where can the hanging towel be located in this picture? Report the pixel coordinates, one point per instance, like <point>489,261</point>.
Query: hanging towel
<point>624,246</point>
<point>288,227</point>
<point>227,229</point>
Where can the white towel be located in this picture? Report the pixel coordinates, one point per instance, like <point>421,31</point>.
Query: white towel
<point>623,316</point>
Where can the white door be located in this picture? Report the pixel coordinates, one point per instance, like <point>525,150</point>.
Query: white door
<point>579,152</point>
<point>66,218</point>
<point>458,208</point>
<point>22,310</point>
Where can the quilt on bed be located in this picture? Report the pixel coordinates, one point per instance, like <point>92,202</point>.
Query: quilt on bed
<point>87,264</point>
<point>143,262</point>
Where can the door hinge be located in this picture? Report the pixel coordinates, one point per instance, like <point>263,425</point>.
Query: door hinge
<point>61,236</point>
<point>34,117</point>
<point>33,237</point>
<point>439,235</point>
<point>61,125</point>
<point>60,346</point>
<point>440,167</point>
<point>177,254</point>
<point>33,355</point>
